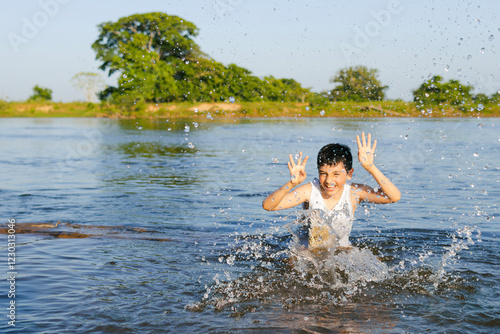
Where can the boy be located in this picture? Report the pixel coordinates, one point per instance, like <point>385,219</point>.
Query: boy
<point>332,198</point>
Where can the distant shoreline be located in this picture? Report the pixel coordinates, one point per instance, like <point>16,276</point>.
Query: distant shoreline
<point>204,110</point>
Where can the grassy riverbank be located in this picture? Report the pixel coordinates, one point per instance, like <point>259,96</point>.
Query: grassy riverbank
<point>240,110</point>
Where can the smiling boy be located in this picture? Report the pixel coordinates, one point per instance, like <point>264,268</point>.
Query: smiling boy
<point>332,197</point>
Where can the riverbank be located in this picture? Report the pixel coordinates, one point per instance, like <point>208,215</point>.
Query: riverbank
<point>240,110</point>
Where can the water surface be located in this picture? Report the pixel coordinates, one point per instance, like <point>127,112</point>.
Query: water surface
<point>177,240</point>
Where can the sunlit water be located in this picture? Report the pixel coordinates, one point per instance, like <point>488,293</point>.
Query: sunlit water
<point>179,241</point>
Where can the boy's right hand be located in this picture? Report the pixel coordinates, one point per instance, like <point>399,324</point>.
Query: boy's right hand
<point>297,171</point>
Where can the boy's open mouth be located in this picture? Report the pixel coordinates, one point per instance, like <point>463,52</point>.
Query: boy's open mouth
<point>330,188</point>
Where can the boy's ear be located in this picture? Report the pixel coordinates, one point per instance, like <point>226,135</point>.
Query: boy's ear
<point>349,174</point>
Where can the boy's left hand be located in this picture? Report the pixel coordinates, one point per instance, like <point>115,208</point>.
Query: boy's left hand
<point>366,151</point>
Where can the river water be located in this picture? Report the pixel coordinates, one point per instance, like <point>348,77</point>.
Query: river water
<point>172,236</point>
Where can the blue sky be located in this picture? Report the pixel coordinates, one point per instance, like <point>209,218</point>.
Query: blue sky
<point>309,41</point>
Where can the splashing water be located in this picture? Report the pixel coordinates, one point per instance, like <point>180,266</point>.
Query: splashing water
<point>461,240</point>
<point>285,272</point>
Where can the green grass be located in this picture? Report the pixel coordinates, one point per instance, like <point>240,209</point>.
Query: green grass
<point>239,110</point>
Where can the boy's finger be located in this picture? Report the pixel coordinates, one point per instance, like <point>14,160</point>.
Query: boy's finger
<point>369,142</point>
<point>305,161</point>
<point>359,141</point>
<point>291,161</point>
<point>374,145</point>
<point>363,138</point>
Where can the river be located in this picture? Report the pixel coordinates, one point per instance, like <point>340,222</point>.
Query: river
<point>156,226</point>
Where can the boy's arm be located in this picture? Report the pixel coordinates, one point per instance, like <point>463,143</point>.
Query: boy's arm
<point>283,197</point>
<point>388,192</point>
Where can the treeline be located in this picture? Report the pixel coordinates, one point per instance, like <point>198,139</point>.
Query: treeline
<point>158,61</point>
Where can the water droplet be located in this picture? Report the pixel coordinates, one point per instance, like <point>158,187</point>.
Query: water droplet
<point>469,57</point>
<point>447,67</point>
<point>186,62</point>
<point>480,107</point>
<point>190,145</point>
<point>232,99</point>
<point>139,128</point>
<point>482,50</point>
<point>322,113</point>
<point>186,128</point>
<point>125,76</point>
<point>476,154</point>
<point>491,37</point>
<point>195,125</point>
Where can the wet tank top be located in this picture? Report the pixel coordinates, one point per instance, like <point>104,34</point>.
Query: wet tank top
<point>340,218</point>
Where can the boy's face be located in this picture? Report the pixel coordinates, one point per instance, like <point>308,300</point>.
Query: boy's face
<point>333,177</point>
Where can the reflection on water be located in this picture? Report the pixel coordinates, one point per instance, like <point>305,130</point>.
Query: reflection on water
<point>153,150</point>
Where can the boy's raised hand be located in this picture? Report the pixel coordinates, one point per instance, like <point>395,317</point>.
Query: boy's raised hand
<point>365,150</point>
<point>297,170</point>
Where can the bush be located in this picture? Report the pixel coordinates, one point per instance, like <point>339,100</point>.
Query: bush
<point>41,94</point>
<point>318,100</point>
<point>436,92</point>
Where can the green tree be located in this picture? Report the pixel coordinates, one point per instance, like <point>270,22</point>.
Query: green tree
<point>357,84</point>
<point>90,83</point>
<point>150,51</point>
<point>495,98</point>
<point>158,61</point>
<point>436,92</point>
<point>481,98</point>
<point>41,94</point>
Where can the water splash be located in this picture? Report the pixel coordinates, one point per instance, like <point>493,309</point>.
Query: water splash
<point>461,239</point>
<point>282,271</point>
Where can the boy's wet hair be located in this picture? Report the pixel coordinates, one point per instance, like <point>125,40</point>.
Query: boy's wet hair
<point>332,154</point>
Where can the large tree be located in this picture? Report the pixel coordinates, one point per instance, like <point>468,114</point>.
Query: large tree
<point>357,84</point>
<point>434,91</point>
<point>158,61</point>
<point>149,51</point>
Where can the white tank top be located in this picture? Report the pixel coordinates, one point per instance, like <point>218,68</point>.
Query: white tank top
<point>340,218</point>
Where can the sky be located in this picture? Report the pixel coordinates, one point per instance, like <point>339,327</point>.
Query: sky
<point>47,42</point>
